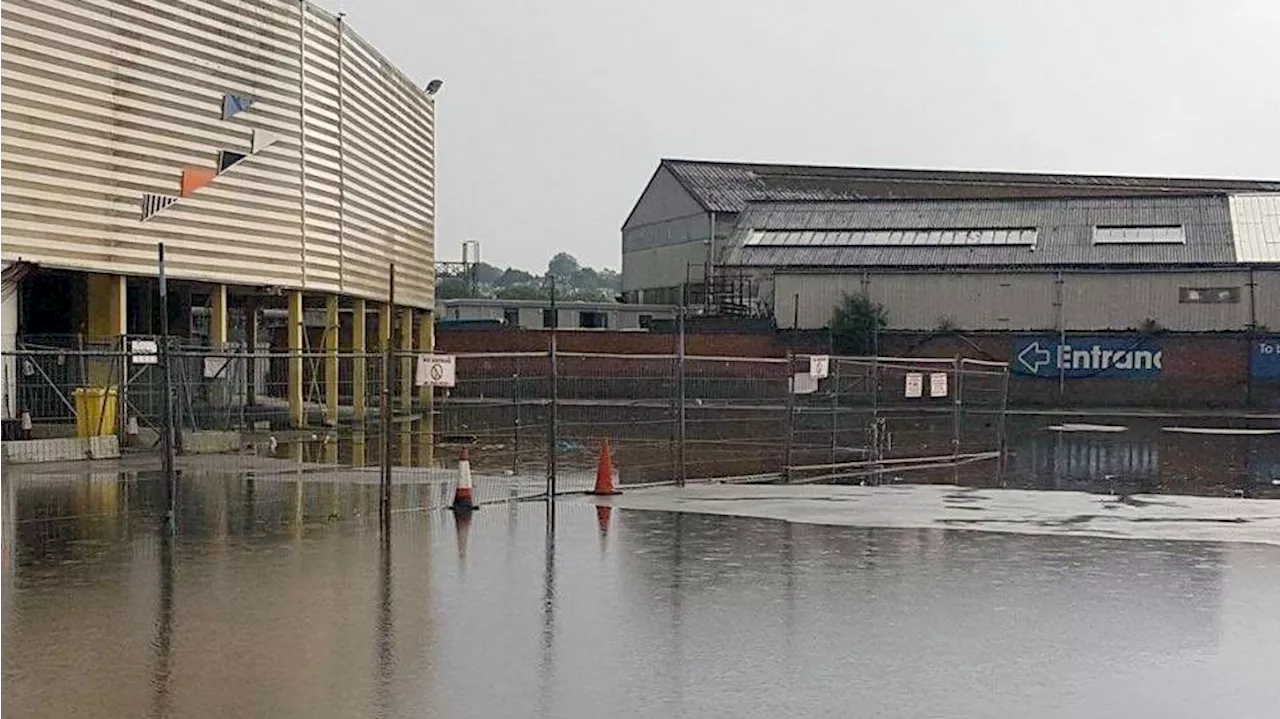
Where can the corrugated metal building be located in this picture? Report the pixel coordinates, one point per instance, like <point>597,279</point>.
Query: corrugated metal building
<point>978,251</point>
<point>274,146</point>
<point>280,159</point>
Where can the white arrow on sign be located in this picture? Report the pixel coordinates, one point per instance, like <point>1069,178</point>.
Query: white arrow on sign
<point>1039,357</point>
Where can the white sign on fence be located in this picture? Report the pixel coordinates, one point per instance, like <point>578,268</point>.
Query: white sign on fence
<point>819,366</point>
<point>915,384</point>
<point>938,384</point>
<point>802,383</point>
<point>437,371</point>
<point>144,351</point>
<point>215,366</point>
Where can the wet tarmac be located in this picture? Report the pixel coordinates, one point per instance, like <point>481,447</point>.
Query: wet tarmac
<point>280,597</point>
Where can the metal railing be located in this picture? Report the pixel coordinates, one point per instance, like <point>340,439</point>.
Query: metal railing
<point>668,418</point>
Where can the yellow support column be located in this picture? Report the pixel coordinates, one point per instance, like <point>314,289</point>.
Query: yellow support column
<point>105,329</point>
<point>406,361</point>
<point>426,345</point>
<point>218,335</point>
<point>384,342</point>
<point>331,361</point>
<point>406,382</point>
<point>297,414</point>
<point>359,366</point>
<point>107,305</point>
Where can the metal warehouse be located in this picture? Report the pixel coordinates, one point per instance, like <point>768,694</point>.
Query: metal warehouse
<point>282,161</point>
<point>959,250</point>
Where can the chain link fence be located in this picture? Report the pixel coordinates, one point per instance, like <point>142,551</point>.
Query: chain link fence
<point>521,416</point>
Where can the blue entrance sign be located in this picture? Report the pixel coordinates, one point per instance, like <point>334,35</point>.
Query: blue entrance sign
<point>1088,357</point>
<point>1265,362</point>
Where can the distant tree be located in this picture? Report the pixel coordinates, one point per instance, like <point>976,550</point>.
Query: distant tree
<point>451,288</point>
<point>511,276</point>
<point>610,279</point>
<point>585,278</point>
<point>523,292</point>
<point>563,267</point>
<point>855,324</point>
<point>487,274</point>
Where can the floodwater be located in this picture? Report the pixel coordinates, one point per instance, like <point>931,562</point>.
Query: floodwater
<point>281,598</point>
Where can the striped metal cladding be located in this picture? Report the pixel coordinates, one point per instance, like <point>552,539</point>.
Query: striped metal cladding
<point>1064,232</point>
<point>107,101</point>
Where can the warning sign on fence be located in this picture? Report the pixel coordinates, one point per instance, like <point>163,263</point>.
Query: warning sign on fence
<point>938,384</point>
<point>819,366</point>
<point>437,371</point>
<point>915,384</point>
<point>144,351</point>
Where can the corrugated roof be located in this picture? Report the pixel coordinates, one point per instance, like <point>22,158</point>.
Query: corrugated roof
<point>968,237</point>
<point>730,186</point>
<point>1255,226</point>
<point>1063,232</point>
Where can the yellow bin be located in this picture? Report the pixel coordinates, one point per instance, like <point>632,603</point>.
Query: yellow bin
<point>96,411</point>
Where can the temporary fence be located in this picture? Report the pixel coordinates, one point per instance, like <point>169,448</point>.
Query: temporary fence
<point>669,418</point>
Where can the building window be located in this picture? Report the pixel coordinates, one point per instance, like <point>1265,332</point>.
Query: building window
<point>593,320</point>
<point>549,319</point>
<point>1155,235</point>
<point>511,316</point>
<point>646,322</point>
<point>1209,295</point>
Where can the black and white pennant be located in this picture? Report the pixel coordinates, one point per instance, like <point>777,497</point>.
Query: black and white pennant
<point>153,204</point>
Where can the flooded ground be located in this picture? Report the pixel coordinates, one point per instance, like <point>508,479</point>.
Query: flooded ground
<point>280,598</point>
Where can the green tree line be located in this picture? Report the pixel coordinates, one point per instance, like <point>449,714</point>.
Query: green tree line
<point>572,281</point>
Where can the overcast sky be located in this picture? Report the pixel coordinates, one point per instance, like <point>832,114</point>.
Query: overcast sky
<point>554,114</point>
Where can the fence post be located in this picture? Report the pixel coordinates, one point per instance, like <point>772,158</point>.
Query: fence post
<point>515,414</point>
<point>791,416</point>
<point>170,478</point>
<point>957,387</point>
<point>1004,409</point>
<point>835,410</point>
<point>553,409</point>
<point>682,427</point>
<point>388,366</point>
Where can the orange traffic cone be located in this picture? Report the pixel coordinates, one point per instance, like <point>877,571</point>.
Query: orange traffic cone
<point>462,495</point>
<point>604,472</point>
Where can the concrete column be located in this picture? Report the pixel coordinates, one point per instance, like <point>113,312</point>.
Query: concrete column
<point>359,366</point>
<point>297,413</point>
<point>331,361</point>
<point>406,362</point>
<point>426,434</point>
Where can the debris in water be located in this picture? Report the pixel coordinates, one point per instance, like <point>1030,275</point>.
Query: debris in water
<point>1221,430</point>
<point>1087,428</point>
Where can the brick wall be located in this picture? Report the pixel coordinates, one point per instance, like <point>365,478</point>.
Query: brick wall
<point>1200,370</point>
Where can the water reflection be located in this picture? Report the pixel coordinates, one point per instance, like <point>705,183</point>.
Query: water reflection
<point>163,641</point>
<point>610,613</point>
<point>384,632</point>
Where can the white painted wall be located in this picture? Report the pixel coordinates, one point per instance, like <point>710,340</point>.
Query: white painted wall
<point>8,363</point>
